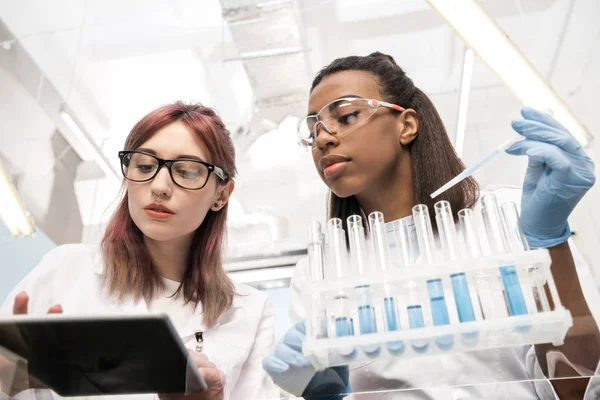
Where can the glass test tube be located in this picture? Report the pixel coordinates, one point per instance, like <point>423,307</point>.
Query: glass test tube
<point>406,252</point>
<point>485,283</point>
<point>460,285</point>
<point>498,243</point>
<point>336,249</point>
<point>318,325</point>
<point>382,261</point>
<point>518,243</point>
<point>367,322</point>
<point>435,287</point>
<point>405,243</point>
<point>449,242</point>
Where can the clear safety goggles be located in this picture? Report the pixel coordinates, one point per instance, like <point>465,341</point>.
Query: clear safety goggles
<point>338,118</point>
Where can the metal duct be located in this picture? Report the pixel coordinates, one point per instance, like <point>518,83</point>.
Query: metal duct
<point>269,42</point>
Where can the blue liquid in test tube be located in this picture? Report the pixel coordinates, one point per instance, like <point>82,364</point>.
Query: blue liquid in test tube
<point>500,244</point>
<point>464,306</point>
<point>366,313</point>
<point>390,314</point>
<point>459,283</point>
<point>342,327</point>
<point>439,311</point>
<point>415,317</point>
<point>382,261</point>
<point>336,246</point>
<point>462,297</point>
<point>415,320</point>
<point>514,294</point>
<point>367,322</point>
<point>366,317</point>
<point>391,318</point>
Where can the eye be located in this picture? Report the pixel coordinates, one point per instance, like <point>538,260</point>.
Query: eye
<point>187,174</point>
<point>349,119</point>
<point>145,168</point>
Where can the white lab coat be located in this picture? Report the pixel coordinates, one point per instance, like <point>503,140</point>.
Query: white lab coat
<point>70,275</point>
<point>489,374</point>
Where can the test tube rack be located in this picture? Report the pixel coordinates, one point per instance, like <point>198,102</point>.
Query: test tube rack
<point>390,329</point>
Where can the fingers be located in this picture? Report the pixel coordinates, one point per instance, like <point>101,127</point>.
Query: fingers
<point>274,365</point>
<point>207,369</point>
<point>291,356</point>
<point>301,327</point>
<point>21,303</point>
<point>543,154</point>
<point>532,114</point>
<point>294,338</point>
<point>551,132</point>
<point>55,309</point>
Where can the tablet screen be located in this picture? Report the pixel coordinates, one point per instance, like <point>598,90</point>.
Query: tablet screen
<point>79,356</point>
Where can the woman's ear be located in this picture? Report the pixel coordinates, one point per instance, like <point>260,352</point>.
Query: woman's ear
<point>409,126</point>
<point>223,194</point>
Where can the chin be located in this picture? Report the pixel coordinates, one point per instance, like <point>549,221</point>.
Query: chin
<point>343,191</point>
<point>159,233</point>
<point>157,230</point>
<point>345,186</point>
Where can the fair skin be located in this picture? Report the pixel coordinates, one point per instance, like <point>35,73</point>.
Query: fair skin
<point>168,240</point>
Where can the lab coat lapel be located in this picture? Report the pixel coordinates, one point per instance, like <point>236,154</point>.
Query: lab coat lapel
<point>196,322</point>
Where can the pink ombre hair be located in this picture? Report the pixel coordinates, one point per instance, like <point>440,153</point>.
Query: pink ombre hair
<point>128,267</point>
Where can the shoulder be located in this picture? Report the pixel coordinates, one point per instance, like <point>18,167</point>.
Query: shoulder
<point>69,259</point>
<point>57,273</point>
<point>248,297</point>
<point>73,258</point>
<point>301,270</point>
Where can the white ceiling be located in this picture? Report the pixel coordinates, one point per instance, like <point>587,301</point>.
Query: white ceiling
<point>113,61</point>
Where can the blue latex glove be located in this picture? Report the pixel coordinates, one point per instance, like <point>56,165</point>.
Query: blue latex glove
<point>558,176</point>
<point>293,372</point>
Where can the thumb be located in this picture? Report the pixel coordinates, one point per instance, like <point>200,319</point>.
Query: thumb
<point>214,378</point>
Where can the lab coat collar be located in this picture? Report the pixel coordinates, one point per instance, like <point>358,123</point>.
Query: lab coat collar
<point>130,306</point>
<point>389,226</point>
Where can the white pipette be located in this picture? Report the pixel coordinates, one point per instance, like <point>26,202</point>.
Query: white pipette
<point>471,170</point>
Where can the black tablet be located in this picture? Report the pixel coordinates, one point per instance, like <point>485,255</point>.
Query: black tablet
<point>94,355</point>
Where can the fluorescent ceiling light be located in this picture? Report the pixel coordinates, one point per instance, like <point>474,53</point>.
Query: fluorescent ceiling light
<point>463,106</point>
<point>89,145</point>
<point>495,48</point>
<point>281,51</point>
<point>12,211</point>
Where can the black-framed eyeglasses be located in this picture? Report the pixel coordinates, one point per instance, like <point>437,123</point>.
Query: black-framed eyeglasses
<point>139,166</point>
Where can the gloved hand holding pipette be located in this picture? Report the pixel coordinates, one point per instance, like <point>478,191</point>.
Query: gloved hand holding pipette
<point>558,176</point>
<point>293,372</point>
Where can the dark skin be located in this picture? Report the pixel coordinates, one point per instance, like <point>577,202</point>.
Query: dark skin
<point>378,171</point>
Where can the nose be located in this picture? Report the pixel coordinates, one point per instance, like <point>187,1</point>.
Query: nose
<point>326,136</point>
<point>162,184</point>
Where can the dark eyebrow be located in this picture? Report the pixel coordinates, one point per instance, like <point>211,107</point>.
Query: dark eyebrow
<point>190,157</point>
<point>149,151</point>
<point>341,97</point>
<point>181,156</point>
